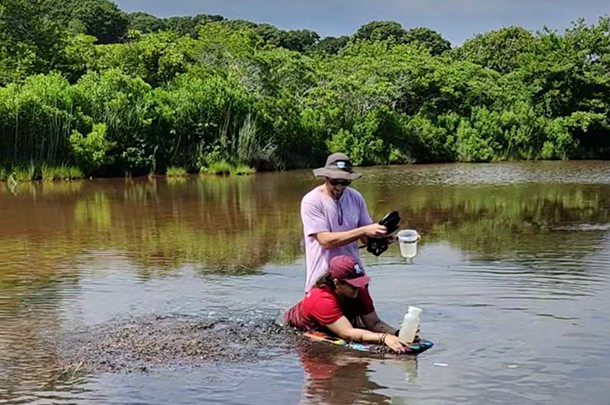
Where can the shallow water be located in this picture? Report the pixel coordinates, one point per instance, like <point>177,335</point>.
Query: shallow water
<point>512,272</point>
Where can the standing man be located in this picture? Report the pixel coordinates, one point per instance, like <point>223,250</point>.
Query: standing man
<point>334,218</point>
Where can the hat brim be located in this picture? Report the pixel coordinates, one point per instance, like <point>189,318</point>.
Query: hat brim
<point>359,282</point>
<point>336,174</point>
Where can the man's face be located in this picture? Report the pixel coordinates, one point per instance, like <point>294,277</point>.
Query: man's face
<point>337,186</point>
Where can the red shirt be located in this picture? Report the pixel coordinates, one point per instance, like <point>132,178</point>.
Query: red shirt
<point>321,307</point>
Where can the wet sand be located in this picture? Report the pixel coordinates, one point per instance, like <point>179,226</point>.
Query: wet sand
<point>139,344</point>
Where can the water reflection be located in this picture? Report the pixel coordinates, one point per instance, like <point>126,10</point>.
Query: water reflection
<point>337,376</point>
<point>93,211</point>
<point>239,224</point>
<point>222,225</point>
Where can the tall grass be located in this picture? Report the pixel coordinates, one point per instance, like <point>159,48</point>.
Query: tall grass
<point>251,149</point>
<point>53,173</point>
<point>75,173</point>
<point>225,168</point>
<point>22,174</point>
<point>221,167</point>
<point>37,119</point>
<point>174,171</point>
<point>47,172</point>
<point>243,170</point>
<point>63,172</point>
<point>44,172</point>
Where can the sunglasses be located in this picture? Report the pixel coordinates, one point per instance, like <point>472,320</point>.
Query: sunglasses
<point>349,285</point>
<point>344,183</point>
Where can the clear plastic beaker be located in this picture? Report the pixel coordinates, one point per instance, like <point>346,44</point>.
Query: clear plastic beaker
<point>407,239</point>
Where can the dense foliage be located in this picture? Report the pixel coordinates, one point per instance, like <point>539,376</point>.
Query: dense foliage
<point>83,83</point>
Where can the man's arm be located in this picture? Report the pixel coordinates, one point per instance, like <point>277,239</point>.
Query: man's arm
<point>330,240</point>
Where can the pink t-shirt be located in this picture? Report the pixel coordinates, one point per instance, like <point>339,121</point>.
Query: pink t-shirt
<point>321,213</point>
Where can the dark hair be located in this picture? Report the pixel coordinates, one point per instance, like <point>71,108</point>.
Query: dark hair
<point>326,282</point>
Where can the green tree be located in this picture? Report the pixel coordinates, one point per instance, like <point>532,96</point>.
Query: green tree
<point>145,23</point>
<point>427,38</point>
<point>267,32</point>
<point>294,40</point>
<point>90,151</point>
<point>189,25</point>
<point>190,91</point>
<point>156,58</point>
<point>502,50</point>
<point>126,106</point>
<point>30,41</point>
<point>331,45</point>
<point>99,18</point>
<point>380,31</point>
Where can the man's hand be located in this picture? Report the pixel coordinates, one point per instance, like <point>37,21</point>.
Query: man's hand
<point>374,230</point>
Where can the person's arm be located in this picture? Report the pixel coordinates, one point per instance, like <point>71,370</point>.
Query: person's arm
<point>372,322</point>
<point>330,240</point>
<point>344,329</point>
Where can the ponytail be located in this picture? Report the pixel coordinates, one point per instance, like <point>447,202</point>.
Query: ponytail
<point>326,281</point>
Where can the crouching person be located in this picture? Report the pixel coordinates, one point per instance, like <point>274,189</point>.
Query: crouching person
<point>340,303</point>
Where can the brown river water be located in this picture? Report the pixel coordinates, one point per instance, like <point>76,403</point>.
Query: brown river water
<point>512,274</point>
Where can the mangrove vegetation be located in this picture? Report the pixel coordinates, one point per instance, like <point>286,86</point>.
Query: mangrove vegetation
<point>86,89</point>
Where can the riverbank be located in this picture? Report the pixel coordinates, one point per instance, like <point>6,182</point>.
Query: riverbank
<point>46,173</point>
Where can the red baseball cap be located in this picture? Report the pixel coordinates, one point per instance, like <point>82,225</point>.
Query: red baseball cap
<point>346,268</point>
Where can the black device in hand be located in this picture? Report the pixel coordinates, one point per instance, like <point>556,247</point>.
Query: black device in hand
<point>379,245</point>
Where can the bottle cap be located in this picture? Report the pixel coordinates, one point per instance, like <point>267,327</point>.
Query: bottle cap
<point>414,310</point>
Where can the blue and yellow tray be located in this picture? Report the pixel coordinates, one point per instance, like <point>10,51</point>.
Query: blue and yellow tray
<point>414,348</point>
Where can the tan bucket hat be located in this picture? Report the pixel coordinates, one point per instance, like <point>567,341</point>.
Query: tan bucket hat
<point>339,167</point>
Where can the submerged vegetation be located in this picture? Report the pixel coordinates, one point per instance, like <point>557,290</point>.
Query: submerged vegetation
<point>105,93</point>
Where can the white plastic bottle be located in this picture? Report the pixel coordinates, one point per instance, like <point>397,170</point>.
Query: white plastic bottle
<point>410,323</point>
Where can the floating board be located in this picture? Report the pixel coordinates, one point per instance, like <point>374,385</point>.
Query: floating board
<point>413,348</point>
